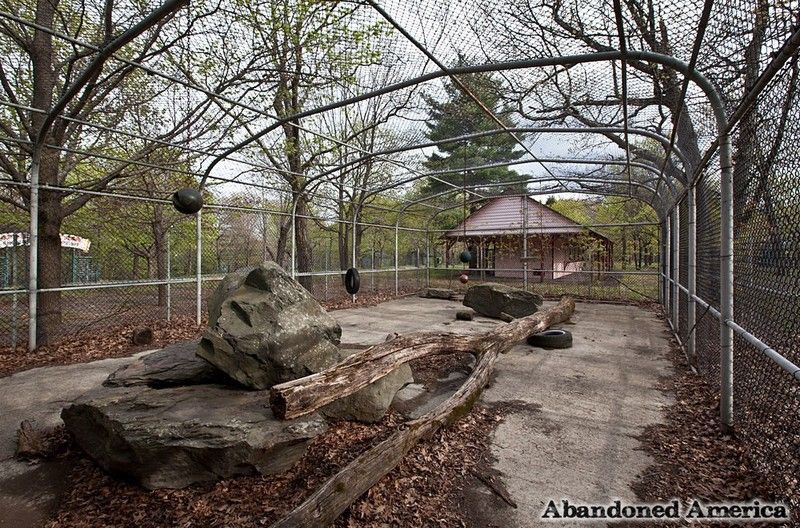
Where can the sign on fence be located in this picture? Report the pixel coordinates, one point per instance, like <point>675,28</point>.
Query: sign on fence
<point>67,241</point>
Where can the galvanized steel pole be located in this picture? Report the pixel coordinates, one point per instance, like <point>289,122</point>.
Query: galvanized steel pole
<point>667,263</point>
<point>691,275</point>
<point>676,265</point>
<point>525,241</point>
<point>199,266</point>
<point>726,284</point>
<point>33,253</point>
<point>354,238</point>
<point>169,278</point>
<point>396,259</point>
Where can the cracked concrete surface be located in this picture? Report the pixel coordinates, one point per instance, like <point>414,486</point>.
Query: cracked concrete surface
<point>576,439</point>
<point>28,491</point>
<point>588,404</point>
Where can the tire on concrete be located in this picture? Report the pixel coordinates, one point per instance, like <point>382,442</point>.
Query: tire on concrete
<point>553,338</point>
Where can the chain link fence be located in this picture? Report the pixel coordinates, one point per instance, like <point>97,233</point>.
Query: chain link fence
<point>138,263</point>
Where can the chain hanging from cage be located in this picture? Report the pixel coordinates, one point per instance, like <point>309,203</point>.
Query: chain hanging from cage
<point>465,256</point>
<point>188,200</point>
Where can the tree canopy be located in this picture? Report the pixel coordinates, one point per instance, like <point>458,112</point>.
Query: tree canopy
<point>459,115</point>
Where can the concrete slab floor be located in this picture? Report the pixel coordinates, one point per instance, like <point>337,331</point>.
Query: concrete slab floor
<point>29,491</point>
<point>576,439</point>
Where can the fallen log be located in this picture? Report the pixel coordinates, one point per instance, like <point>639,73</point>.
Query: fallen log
<point>355,479</point>
<point>305,395</point>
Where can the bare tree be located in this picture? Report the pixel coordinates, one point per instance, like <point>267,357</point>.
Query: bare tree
<point>366,127</point>
<point>40,69</point>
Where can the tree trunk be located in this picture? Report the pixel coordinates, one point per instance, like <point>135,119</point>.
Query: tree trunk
<point>303,243</point>
<point>48,317</point>
<point>343,237</point>
<point>49,312</point>
<point>329,501</point>
<point>305,395</point>
<point>160,249</point>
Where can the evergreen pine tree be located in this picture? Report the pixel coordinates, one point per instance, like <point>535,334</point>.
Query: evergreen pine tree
<point>458,115</point>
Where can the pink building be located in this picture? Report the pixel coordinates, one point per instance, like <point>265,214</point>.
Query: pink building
<point>556,246</point>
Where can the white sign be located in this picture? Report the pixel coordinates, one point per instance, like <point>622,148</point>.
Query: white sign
<point>67,241</point>
<point>75,242</point>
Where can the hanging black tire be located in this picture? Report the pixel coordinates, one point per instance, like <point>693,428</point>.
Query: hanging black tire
<point>352,282</point>
<point>553,338</point>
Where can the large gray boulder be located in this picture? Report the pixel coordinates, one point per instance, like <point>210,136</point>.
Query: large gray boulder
<point>264,329</point>
<point>492,300</point>
<point>369,404</point>
<point>174,437</point>
<point>173,366</point>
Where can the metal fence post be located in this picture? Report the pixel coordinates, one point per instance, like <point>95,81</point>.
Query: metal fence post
<point>427,258</point>
<point>676,264</point>
<point>396,259</point>
<point>726,282</point>
<point>13,284</point>
<point>667,263</point>
<point>199,270</point>
<point>169,277</point>
<point>293,256</point>
<point>328,264</point>
<point>691,276</point>
<point>355,229</point>
<point>33,255</point>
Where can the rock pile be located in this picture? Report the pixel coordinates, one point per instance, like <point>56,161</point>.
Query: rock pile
<point>196,412</point>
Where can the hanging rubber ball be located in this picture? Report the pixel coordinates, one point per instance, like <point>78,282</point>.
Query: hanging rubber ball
<point>464,278</point>
<point>352,282</point>
<point>465,256</point>
<point>187,201</point>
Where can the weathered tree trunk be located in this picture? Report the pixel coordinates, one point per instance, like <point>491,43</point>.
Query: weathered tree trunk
<point>303,243</point>
<point>305,395</point>
<point>160,249</point>
<point>330,500</point>
<point>48,317</point>
<point>49,314</point>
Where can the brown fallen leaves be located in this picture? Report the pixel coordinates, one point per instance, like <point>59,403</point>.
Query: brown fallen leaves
<point>694,459</point>
<point>422,491</point>
<point>97,344</point>
<point>115,341</point>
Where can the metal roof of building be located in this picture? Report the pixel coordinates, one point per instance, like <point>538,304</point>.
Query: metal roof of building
<point>503,215</point>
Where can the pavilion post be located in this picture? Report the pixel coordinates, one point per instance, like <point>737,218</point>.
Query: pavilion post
<point>525,241</point>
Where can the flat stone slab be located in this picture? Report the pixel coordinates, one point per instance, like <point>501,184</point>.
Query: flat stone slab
<point>171,438</point>
<point>175,365</point>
